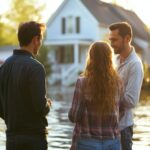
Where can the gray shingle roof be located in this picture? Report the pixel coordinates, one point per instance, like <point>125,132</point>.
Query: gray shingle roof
<point>107,13</point>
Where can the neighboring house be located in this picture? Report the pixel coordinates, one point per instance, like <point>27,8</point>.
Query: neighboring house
<point>78,23</point>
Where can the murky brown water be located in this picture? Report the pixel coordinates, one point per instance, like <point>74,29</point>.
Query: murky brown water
<point>60,129</point>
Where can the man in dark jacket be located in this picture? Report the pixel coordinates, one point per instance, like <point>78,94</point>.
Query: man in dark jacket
<point>23,102</point>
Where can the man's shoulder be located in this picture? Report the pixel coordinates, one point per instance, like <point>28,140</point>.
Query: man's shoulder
<point>82,78</point>
<point>8,61</point>
<point>136,60</point>
<point>136,64</point>
<point>36,66</point>
<point>34,62</point>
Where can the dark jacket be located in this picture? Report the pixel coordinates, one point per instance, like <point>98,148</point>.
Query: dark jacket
<point>22,94</point>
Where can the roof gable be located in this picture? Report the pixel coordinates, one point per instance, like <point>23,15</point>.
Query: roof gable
<point>76,2</point>
<point>57,12</point>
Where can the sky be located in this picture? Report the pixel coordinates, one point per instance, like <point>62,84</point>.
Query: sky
<point>141,7</point>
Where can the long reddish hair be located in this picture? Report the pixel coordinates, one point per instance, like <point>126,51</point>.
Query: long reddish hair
<point>102,79</point>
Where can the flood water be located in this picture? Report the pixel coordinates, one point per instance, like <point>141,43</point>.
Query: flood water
<point>60,129</point>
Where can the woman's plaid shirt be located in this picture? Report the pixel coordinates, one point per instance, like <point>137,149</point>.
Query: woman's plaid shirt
<point>88,124</point>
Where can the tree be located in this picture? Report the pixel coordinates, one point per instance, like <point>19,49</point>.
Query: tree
<point>2,36</point>
<point>43,58</point>
<point>146,81</point>
<point>20,11</point>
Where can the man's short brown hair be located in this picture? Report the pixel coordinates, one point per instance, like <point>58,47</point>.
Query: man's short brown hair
<point>28,30</point>
<point>124,28</point>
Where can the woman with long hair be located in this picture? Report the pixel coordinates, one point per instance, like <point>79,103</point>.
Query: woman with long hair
<point>95,106</point>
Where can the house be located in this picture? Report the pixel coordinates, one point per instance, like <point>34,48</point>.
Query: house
<point>78,23</point>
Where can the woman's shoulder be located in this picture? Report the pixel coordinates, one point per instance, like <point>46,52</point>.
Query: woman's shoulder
<point>82,79</point>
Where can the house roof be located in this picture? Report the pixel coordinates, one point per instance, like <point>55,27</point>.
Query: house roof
<point>107,13</point>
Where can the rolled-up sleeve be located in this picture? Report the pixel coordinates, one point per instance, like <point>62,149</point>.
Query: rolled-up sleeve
<point>77,108</point>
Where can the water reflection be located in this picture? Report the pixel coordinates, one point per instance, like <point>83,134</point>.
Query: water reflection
<point>60,129</point>
<point>142,126</point>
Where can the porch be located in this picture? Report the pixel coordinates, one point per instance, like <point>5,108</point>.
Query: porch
<point>68,60</point>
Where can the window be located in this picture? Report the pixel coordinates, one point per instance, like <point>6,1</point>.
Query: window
<point>69,53</point>
<point>63,25</point>
<point>70,24</point>
<point>77,24</point>
<point>65,54</point>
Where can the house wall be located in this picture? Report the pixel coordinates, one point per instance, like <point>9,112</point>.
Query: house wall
<point>89,26</point>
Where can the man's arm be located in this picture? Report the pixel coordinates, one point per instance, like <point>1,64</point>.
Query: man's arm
<point>38,91</point>
<point>133,87</point>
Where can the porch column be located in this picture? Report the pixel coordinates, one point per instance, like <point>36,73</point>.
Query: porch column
<point>76,53</point>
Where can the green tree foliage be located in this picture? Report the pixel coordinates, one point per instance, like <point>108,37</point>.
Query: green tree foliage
<point>2,36</point>
<point>146,82</point>
<point>20,11</point>
<point>43,58</point>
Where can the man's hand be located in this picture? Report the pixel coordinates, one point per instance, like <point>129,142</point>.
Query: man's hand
<point>49,102</point>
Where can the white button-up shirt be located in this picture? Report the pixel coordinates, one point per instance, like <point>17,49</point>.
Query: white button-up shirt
<point>131,73</point>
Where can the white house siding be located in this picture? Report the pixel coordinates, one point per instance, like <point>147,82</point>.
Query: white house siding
<point>89,26</point>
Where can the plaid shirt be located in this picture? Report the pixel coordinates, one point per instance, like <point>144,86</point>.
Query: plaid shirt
<point>88,124</point>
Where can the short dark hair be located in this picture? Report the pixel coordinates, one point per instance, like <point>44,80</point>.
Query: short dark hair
<point>124,28</point>
<point>28,30</point>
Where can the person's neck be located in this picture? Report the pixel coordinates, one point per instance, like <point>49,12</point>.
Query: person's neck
<point>125,53</point>
<point>27,48</point>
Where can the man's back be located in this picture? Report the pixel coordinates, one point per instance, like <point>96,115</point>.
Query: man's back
<point>22,88</point>
<point>23,104</point>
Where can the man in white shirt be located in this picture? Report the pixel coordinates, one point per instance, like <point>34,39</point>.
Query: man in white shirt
<point>130,69</point>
